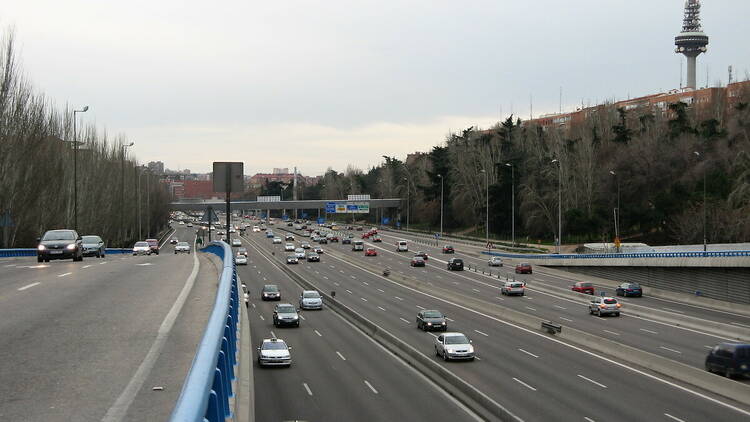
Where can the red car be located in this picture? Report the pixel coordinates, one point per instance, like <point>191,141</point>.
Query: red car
<point>154,245</point>
<point>365,236</point>
<point>583,287</point>
<point>371,252</point>
<point>523,268</point>
<point>448,249</point>
<point>417,262</point>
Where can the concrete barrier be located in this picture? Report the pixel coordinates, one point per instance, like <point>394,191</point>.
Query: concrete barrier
<point>635,357</point>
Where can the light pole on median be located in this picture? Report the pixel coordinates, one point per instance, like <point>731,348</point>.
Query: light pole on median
<point>487,207</point>
<point>512,204</point>
<point>559,203</point>
<point>75,168</point>
<point>705,241</point>
<point>122,193</point>
<point>617,212</point>
<point>441,204</point>
<point>408,192</point>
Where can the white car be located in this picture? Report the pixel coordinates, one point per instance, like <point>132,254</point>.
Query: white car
<point>305,245</point>
<point>240,259</point>
<point>289,247</point>
<point>318,250</point>
<point>310,299</point>
<point>495,261</point>
<point>141,248</point>
<point>276,240</point>
<point>292,259</point>
<point>190,224</point>
<point>454,346</point>
<point>256,229</point>
<point>182,247</point>
<point>513,288</point>
<point>274,352</point>
<point>299,253</point>
<point>236,242</point>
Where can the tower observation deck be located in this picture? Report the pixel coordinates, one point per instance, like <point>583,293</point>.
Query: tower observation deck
<point>692,41</point>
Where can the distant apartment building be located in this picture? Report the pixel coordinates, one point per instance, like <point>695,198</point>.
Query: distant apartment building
<point>280,175</point>
<point>156,167</point>
<point>699,99</point>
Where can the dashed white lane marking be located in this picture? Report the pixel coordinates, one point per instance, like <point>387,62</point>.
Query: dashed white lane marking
<point>371,387</point>
<point>559,307</point>
<point>484,334</point>
<point>336,283</point>
<point>365,283</point>
<point>566,319</point>
<point>64,274</point>
<point>476,290</point>
<point>353,277</point>
<point>588,419</point>
<point>145,264</point>
<point>309,392</point>
<point>10,265</point>
<point>341,356</point>
<point>28,286</point>
<point>327,279</point>
<point>672,310</point>
<point>349,291</point>
<point>381,308</point>
<point>363,299</point>
<point>318,333</point>
<point>530,308</point>
<point>420,307</point>
<point>381,290</point>
<point>261,318</point>
<point>611,332</point>
<point>671,350</point>
<point>102,263</point>
<point>592,381</point>
<point>498,297</point>
<point>528,353</point>
<point>86,266</point>
<point>708,347</point>
<point>403,320</point>
<point>273,335</point>
<point>303,318</point>
<point>253,305</point>
<point>397,297</point>
<point>673,417</point>
<point>528,297</point>
<point>524,384</point>
<point>648,331</point>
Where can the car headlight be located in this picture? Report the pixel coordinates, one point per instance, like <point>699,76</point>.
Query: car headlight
<point>471,349</point>
<point>41,247</point>
<point>443,323</point>
<point>743,367</point>
<point>295,317</point>
<point>429,323</point>
<point>71,246</point>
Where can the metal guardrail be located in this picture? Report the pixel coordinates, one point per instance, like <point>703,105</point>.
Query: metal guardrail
<point>208,386</point>
<point>8,253</point>
<point>714,254</point>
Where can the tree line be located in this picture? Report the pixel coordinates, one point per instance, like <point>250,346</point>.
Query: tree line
<point>37,172</point>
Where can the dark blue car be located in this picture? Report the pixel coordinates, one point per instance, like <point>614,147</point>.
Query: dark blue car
<point>629,289</point>
<point>729,359</point>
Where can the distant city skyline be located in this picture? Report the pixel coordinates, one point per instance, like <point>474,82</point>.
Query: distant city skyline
<point>316,86</point>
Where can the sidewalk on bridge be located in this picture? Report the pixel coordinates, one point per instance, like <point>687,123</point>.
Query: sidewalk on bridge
<point>172,365</point>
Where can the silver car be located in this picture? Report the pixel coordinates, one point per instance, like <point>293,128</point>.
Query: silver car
<point>141,248</point>
<point>513,288</point>
<point>604,306</point>
<point>310,299</point>
<point>495,261</point>
<point>277,240</point>
<point>285,314</point>
<point>274,352</point>
<point>182,247</point>
<point>289,247</point>
<point>291,259</point>
<point>454,346</point>
<point>240,259</point>
<point>93,246</point>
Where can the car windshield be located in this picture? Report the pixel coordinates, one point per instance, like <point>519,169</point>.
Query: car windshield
<point>432,314</point>
<point>584,284</point>
<point>274,345</point>
<point>182,244</point>
<point>456,340</point>
<point>59,235</point>
<point>458,261</point>
<point>496,258</point>
<point>141,244</point>
<point>610,301</point>
<point>91,239</point>
<point>448,247</point>
<point>270,288</point>
<point>288,309</point>
<point>311,295</point>
<point>525,264</point>
<point>633,286</point>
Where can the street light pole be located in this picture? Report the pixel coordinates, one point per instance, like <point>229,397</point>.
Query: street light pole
<point>559,204</point>
<point>408,192</point>
<point>122,194</point>
<point>705,241</point>
<point>512,204</point>
<point>487,208</point>
<point>617,212</point>
<point>441,204</point>
<point>75,167</point>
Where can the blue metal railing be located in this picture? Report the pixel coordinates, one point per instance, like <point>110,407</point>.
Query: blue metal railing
<point>715,254</point>
<point>7,253</point>
<point>208,386</point>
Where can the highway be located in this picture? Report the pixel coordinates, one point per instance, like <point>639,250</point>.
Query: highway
<point>337,372</point>
<point>537,377</point>
<point>75,333</point>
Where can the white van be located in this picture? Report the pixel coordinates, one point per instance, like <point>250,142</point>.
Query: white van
<point>358,245</point>
<point>401,246</point>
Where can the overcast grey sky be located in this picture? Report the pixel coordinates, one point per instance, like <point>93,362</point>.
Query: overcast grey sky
<point>331,83</point>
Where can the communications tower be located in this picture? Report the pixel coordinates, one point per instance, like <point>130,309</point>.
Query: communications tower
<point>691,41</point>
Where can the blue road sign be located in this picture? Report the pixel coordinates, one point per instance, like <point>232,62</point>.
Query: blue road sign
<point>352,207</point>
<point>304,215</point>
<point>398,224</point>
<point>321,220</point>
<point>331,207</point>
<point>385,220</point>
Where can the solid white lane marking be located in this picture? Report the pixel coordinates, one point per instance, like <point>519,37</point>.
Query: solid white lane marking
<point>341,356</point>
<point>403,320</point>
<point>671,350</point>
<point>349,291</point>
<point>28,286</point>
<point>592,381</point>
<point>672,310</point>
<point>611,332</point>
<point>484,334</point>
<point>524,384</point>
<point>741,325</point>
<point>309,392</point>
<point>648,331</point>
<point>381,308</point>
<point>318,333</point>
<point>86,266</point>
<point>559,307</point>
<point>528,353</point>
<point>120,408</point>
<point>64,274</point>
<point>566,319</point>
<point>371,387</point>
<point>673,417</point>
<point>530,308</point>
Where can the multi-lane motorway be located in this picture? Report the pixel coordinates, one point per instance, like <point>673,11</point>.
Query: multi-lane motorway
<point>535,376</point>
<point>73,335</point>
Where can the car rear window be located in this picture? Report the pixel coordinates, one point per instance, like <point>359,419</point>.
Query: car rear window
<point>311,295</point>
<point>59,235</point>
<point>585,285</point>
<point>516,285</point>
<point>610,301</point>
<point>91,239</point>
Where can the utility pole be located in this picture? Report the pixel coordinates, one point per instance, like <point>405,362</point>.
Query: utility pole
<point>123,232</point>
<point>705,240</point>
<point>441,204</point>
<point>559,204</point>
<point>617,212</point>
<point>75,167</point>
<point>512,204</point>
